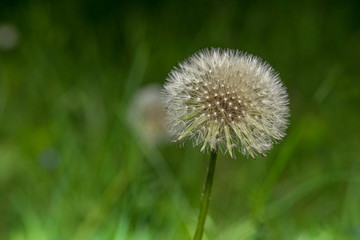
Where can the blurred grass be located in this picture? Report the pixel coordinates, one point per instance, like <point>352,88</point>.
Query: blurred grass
<point>72,167</point>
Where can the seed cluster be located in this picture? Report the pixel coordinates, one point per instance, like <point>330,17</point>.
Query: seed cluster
<point>223,105</point>
<point>226,99</point>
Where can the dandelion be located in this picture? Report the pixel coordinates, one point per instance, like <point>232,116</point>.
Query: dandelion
<point>146,115</point>
<point>9,37</point>
<point>225,100</point>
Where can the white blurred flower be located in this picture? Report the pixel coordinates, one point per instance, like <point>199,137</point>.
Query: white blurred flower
<point>146,114</point>
<point>9,36</point>
<point>227,99</point>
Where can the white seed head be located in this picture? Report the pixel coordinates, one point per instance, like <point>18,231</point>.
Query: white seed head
<point>9,37</point>
<point>147,117</point>
<point>250,124</point>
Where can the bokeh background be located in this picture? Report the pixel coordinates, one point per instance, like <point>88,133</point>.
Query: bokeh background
<point>82,152</point>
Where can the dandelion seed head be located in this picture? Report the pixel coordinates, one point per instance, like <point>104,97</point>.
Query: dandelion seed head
<point>239,102</point>
<point>9,36</point>
<point>147,117</point>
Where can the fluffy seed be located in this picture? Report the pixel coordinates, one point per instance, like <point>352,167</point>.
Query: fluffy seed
<point>226,99</point>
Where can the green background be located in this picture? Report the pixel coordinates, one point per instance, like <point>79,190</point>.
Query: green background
<point>64,95</point>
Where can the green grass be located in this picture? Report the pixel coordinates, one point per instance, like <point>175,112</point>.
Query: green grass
<point>64,97</point>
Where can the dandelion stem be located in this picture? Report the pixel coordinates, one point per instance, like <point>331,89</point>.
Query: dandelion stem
<point>205,196</point>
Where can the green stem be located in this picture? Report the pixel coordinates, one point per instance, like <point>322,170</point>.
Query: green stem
<point>206,196</point>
